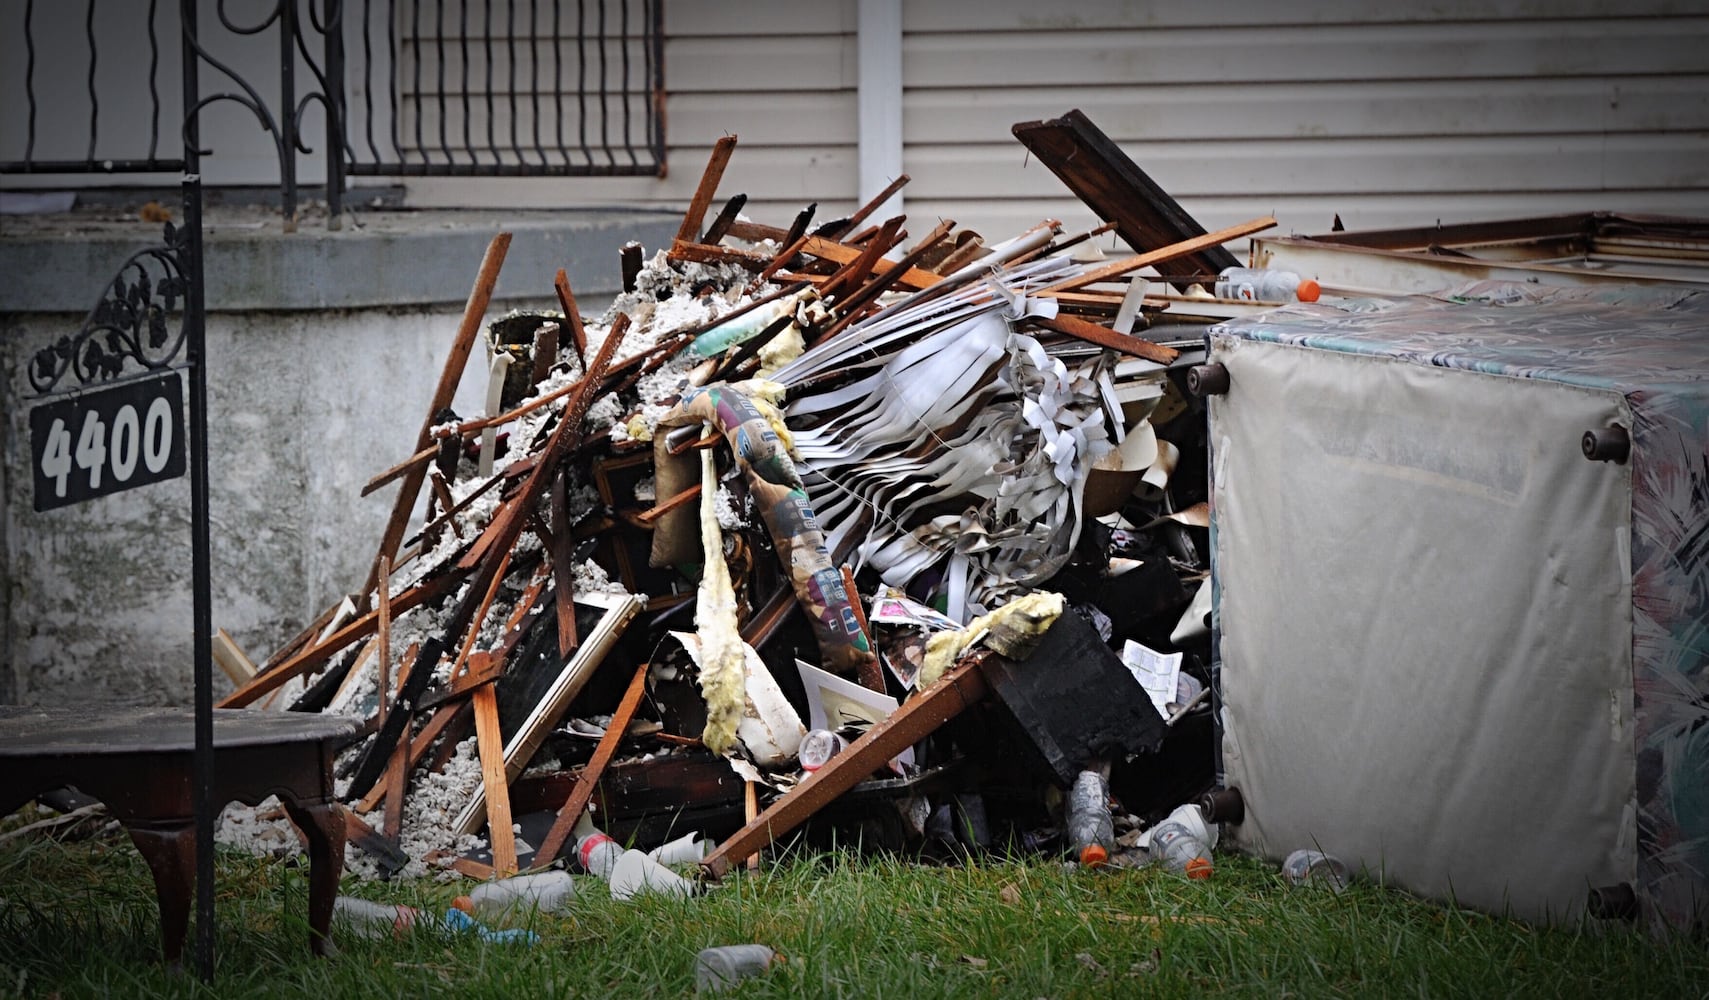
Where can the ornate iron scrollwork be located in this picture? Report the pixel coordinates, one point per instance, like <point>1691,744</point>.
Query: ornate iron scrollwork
<point>140,318</point>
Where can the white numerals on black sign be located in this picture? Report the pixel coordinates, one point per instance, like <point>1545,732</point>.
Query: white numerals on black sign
<point>103,442</point>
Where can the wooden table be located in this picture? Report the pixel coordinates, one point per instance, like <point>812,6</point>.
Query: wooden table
<point>138,762</point>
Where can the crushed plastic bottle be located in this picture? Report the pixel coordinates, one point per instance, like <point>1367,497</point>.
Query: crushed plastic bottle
<point>1091,834</point>
<point>366,918</point>
<point>1262,284</point>
<point>634,873</point>
<point>818,747</point>
<point>688,849</point>
<point>511,898</point>
<point>1182,842</point>
<point>721,968</point>
<point>1308,867</point>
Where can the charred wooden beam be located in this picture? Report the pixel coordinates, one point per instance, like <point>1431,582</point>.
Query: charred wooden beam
<point>1112,185</point>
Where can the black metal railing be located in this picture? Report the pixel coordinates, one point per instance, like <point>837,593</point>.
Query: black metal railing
<point>403,88</point>
<point>57,31</point>
<point>507,88</point>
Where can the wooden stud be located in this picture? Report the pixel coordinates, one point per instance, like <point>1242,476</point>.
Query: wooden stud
<point>563,569</point>
<point>449,377</point>
<point>1173,251</point>
<point>629,264</point>
<point>231,659</point>
<point>544,354</point>
<point>573,807</point>
<point>473,626</point>
<point>572,315</point>
<point>489,740</point>
<point>726,218</point>
<point>870,207</point>
<point>383,632</point>
<point>1103,336</point>
<point>707,188</point>
<point>871,674</point>
<point>751,809</point>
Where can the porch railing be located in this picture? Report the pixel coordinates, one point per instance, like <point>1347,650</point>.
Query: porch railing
<point>403,88</point>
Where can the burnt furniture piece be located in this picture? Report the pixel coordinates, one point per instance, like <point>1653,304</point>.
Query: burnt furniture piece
<point>138,762</point>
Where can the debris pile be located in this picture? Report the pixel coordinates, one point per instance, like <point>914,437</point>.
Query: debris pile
<point>805,477</point>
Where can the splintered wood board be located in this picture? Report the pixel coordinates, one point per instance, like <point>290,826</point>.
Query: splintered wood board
<point>620,610</point>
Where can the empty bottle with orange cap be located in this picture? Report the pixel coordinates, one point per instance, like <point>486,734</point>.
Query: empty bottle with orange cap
<point>1264,284</point>
<point>1179,848</point>
<point>511,898</point>
<point>1091,834</point>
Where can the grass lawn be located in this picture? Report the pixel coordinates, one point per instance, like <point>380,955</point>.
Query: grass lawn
<point>79,920</point>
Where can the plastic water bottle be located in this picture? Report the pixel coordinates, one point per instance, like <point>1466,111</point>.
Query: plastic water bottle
<point>818,747</point>
<point>1179,849</point>
<point>722,968</point>
<point>635,873</point>
<point>1307,867</point>
<point>545,891</point>
<point>598,853</point>
<point>1091,834</point>
<point>1262,284</point>
<point>365,918</point>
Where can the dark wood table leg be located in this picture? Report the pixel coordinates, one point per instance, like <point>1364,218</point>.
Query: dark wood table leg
<point>323,824</point>
<point>171,855</point>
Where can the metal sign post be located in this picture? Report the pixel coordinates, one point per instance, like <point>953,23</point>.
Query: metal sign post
<point>195,335</point>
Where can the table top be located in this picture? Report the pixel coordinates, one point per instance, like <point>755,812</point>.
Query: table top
<point>27,731</point>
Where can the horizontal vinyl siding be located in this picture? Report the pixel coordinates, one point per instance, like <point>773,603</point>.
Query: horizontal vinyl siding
<point>1448,111</point>
<point>779,76</point>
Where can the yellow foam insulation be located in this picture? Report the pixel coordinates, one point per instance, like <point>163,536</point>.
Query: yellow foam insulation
<point>722,682</point>
<point>1022,619</point>
<point>781,350</point>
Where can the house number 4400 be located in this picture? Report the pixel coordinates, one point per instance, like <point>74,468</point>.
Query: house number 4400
<point>113,439</point>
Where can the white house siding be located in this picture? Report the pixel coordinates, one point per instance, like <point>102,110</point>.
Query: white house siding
<point>1386,113</point>
<point>778,75</point>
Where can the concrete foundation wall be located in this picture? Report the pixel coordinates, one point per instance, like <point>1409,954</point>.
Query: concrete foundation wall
<point>302,409</point>
<point>304,406</point>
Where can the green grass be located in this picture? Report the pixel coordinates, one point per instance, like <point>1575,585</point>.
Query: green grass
<point>79,920</point>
